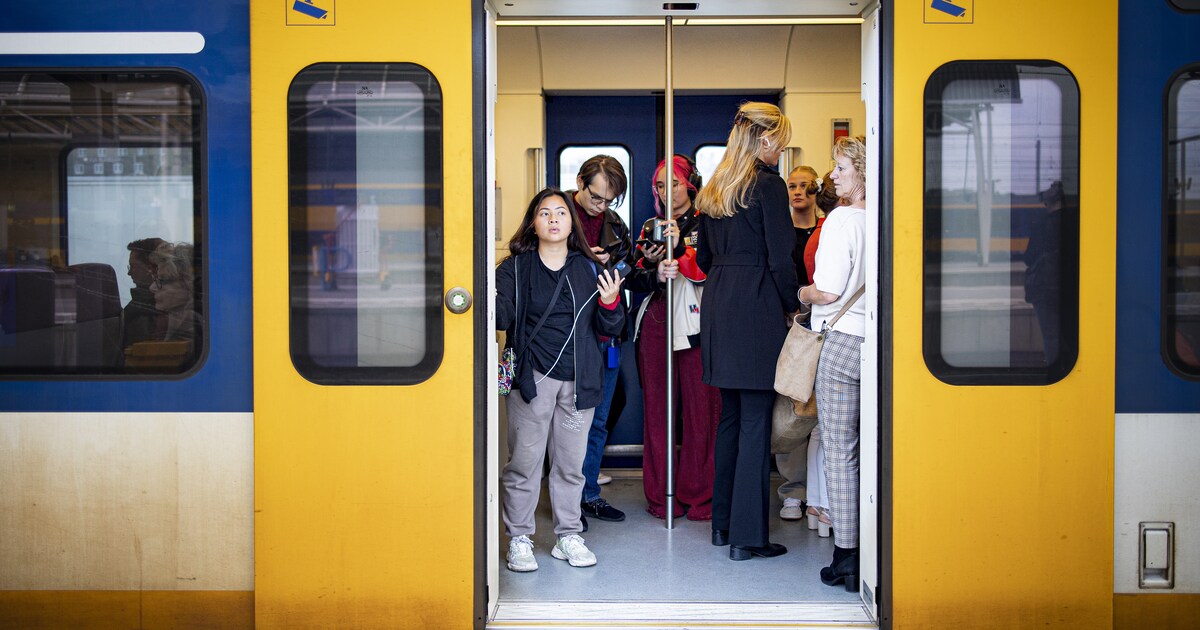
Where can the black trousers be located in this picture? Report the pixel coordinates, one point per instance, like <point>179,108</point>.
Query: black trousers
<point>742,486</point>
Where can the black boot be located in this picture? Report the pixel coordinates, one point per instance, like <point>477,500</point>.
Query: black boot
<point>843,569</point>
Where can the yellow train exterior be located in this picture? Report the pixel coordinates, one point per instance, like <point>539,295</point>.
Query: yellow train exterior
<point>370,501</point>
<point>971,463</point>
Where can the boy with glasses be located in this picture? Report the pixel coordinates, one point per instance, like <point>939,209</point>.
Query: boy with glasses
<point>600,187</point>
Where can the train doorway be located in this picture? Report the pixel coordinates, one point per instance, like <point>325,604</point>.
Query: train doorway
<point>646,572</point>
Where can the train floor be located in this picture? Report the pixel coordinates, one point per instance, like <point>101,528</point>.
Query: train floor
<point>638,559</point>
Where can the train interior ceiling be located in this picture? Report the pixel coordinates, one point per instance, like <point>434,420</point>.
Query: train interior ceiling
<point>555,83</point>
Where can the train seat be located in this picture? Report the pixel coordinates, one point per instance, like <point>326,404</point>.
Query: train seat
<point>26,316</point>
<point>97,315</point>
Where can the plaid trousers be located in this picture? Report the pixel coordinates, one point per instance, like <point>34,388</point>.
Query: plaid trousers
<point>837,391</point>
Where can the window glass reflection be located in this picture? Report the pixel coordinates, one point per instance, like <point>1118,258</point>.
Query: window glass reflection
<point>1182,312</point>
<point>100,239</point>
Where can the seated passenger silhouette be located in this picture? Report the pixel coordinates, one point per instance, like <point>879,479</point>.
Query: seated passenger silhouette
<point>172,289</point>
<point>140,320</point>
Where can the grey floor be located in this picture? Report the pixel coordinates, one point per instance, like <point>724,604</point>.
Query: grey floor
<point>639,559</point>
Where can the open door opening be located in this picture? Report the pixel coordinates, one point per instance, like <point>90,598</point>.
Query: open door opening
<point>825,77</point>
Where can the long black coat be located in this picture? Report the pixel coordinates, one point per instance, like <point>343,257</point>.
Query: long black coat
<point>751,287</point>
<point>591,320</point>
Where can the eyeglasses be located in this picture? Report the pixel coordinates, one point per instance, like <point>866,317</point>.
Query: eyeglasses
<point>160,282</point>
<point>600,201</point>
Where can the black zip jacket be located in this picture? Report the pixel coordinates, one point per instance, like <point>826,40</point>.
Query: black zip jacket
<point>592,320</point>
<point>645,279</point>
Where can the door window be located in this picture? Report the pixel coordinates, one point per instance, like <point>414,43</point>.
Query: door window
<point>1001,223</point>
<point>365,220</point>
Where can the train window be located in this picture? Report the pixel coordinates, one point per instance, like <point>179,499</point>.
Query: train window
<point>1001,223</point>
<point>101,238</point>
<point>1181,342</point>
<point>707,159</point>
<point>365,223</point>
<point>1190,6</point>
<point>573,157</point>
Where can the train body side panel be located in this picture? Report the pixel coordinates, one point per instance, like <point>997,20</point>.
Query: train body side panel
<point>128,499</point>
<point>363,494</point>
<point>1158,409</point>
<point>1003,495</point>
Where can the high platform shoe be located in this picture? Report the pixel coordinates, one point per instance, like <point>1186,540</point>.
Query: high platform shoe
<point>818,519</point>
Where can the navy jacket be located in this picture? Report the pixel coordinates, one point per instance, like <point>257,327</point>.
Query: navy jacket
<point>592,320</point>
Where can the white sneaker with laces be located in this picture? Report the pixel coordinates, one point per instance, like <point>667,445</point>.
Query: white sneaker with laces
<point>603,479</point>
<point>792,509</point>
<point>572,549</point>
<point>520,555</point>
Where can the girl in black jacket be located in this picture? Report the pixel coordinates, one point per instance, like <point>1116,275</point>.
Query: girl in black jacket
<point>554,299</point>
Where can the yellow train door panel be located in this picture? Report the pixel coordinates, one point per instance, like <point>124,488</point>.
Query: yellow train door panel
<point>1004,239</point>
<point>363,379</point>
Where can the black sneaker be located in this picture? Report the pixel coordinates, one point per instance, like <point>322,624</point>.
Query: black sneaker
<point>599,508</point>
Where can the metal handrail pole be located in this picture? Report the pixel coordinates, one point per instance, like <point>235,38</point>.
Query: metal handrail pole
<point>669,213</point>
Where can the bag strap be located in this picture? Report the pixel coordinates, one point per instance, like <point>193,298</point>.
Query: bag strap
<point>511,341</point>
<point>847,305</point>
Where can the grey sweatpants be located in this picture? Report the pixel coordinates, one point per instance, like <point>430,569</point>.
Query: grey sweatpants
<point>545,424</point>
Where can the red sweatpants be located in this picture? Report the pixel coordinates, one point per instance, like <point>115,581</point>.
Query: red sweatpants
<point>700,409</point>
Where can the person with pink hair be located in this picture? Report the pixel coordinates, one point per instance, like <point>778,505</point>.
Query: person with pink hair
<point>700,403</point>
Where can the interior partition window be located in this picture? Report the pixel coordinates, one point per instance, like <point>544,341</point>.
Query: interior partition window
<point>1181,312</point>
<point>573,157</point>
<point>1001,223</point>
<point>365,223</point>
<point>101,242</point>
<point>708,158</point>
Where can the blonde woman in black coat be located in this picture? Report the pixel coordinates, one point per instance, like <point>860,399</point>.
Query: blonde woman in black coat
<point>746,241</point>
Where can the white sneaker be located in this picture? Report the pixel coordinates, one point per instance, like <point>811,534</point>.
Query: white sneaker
<point>520,555</point>
<point>602,479</point>
<point>793,509</point>
<point>572,549</point>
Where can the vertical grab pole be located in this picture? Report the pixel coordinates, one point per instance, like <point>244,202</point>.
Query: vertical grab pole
<point>669,213</point>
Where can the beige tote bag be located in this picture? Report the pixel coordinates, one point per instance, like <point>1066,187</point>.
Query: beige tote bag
<point>796,368</point>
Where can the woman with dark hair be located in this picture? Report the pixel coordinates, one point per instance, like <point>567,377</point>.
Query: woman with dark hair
<point>699,402</point>
<point>553,298</point>
<point>745,247</point>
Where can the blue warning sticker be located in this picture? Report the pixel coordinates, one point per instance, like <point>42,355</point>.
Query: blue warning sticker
<point>950,12</point>
<point>311,12</point>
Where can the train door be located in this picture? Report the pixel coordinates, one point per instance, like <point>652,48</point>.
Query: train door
<point>1002,230</point>
<point>368,152</point>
